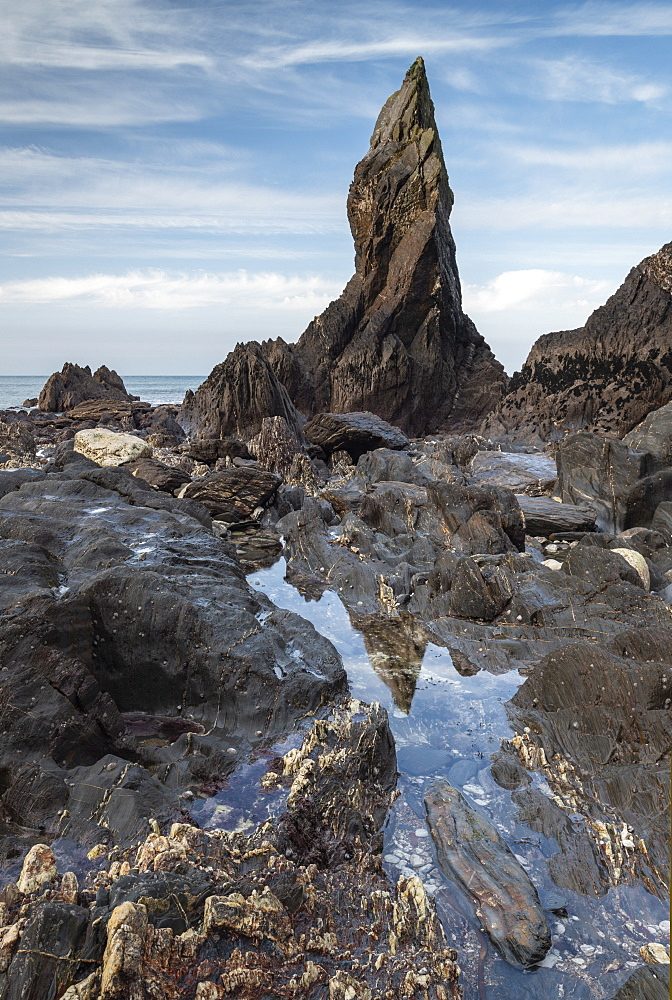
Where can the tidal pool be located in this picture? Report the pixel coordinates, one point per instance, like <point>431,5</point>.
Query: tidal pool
<point>447,725</point>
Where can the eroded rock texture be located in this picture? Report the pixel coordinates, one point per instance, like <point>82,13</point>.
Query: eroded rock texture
<point>396,342</point>
<point>607,375</point>
<point>299,908</point>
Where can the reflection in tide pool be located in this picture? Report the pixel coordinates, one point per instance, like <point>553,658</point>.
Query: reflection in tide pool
<point>447,725</point>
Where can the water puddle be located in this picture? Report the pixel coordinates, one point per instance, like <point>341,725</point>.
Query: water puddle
<point>447,725</point>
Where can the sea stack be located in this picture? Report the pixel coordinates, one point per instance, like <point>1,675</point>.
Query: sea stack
<point>396,342</point>
<point>607,375</point>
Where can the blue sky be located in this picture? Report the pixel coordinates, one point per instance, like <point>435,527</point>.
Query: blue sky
<point>173,175</point>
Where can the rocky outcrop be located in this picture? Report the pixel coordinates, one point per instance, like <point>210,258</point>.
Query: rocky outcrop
<point>607,375</point>
<point>396,342</point>
<point>72,385</point>
<point>236,396</point>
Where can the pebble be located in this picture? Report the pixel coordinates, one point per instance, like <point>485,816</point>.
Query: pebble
<point>391,859</point>
<point>425,833</point>
<point>664,926</point>
<point>231,750</point>
<point>417,861</point>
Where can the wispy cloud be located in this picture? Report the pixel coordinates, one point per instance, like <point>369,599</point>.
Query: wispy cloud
<point>95,35</point>
<point>575,78</point>
<point>159,289</point>
<point>579,210</point>
<point>196,192</point>
<point>635,158</point>
<point>614,19</point>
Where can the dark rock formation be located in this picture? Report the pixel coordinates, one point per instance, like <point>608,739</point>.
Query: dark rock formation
<point>72,385</point>
<point>607,375</point>
<point>654,436</point>
<point>471,852</point>
<point>652,982</point>
<point>396,342</point>
<point>597,719</point>
<point>159,475</point>
<point>531,474</point>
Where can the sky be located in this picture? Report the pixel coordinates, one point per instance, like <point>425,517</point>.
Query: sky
<point>173,175</point>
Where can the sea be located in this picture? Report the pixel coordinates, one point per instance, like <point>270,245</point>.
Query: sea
<point>154,389</point>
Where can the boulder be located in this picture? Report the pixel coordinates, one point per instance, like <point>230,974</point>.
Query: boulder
<point>209,450</point>
<point>159,475</point>
<point>651,982</point>
<point>544,516</point>
<point>275,445</point>
<point>107,447</point>
<point>654,436</point>
<point>72,385</point>
<point>234,494</point>
<point>355,433</point>
<point>472,853</point>
<point>607,375</point>
<point>600,472</point>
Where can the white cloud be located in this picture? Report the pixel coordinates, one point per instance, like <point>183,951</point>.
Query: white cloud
<point>197,193</point>
<point>159,289</point>
<point>580,210</point>
<point>614,19</point>
<point>527,288</point>
<point>376,48</point>
<point>635,158</point>
<point>575,78</point>
<point>95,35</point>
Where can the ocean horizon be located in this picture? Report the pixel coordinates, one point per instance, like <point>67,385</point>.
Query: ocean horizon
<point>154,389</point>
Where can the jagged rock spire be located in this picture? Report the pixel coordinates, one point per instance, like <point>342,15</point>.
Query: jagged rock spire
<point>396,341</point>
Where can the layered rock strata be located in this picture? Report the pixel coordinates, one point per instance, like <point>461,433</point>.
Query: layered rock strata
<point>396,342</point>
<point>607,375</point>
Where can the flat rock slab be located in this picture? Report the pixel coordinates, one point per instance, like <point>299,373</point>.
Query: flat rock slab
<point>520,472</point>
<point>355,433</point>
<point>472,853</point>
<point>110,448</point>
<point>234,494</point>
<point>546,517</point>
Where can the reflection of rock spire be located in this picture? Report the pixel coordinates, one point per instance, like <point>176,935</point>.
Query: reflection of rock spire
<point>396,647</point>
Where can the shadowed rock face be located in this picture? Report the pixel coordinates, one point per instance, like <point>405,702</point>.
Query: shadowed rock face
<point>605,376</point>
<point>396,342</point>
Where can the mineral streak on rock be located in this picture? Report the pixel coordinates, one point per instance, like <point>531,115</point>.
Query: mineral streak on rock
<point>396,341</point>
<point>607,375</point>
<point>470,851</point>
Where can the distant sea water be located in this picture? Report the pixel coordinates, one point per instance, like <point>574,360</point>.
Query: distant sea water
<point>154,389</point>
